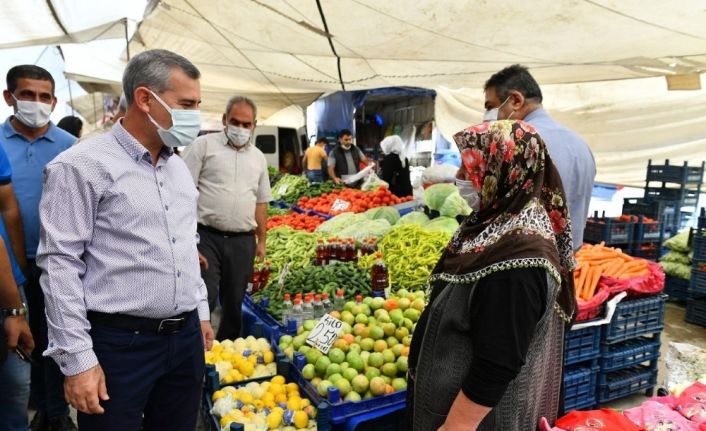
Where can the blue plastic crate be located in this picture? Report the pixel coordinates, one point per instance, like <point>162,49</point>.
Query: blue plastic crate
<point>626,382</point>
<point>280,204</point>
<point>253,325</point>
<point>284,368</point>
<point>687,197</point>
<point>342,411</point>
<point>632,352</point>
<point>580,387</point>
<point>696,311</point>
<point>697,286</point>
<point>648,231</point>
<point>634,318</point>
<point>582,345</point>
<point>607,230</point>
<point>679,174</point>
<point>387,419</point>
<point>699,246</point>
<point>267,319</point>
<point>677,288</point>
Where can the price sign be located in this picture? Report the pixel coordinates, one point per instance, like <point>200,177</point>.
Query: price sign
<point>324,333</point>
<point>283,274</point>
<point>283,189</point>
<point>340,205</point>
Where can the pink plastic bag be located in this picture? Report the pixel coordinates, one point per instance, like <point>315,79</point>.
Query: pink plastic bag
<point>654,416</point>
<point>692,403</point>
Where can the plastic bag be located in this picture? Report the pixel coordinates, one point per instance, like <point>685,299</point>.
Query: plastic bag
<point>654,416</point>
<point>692,403</point>
<point>439,174</point>
<point>603,420</point>
<point>372,182</point>
<point>350,179</point>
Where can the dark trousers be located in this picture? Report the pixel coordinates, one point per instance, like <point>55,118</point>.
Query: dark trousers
<point>230,262</point>
<point>159,376</point>
<point>47,384</point>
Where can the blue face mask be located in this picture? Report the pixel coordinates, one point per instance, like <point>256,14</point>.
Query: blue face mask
<point>186,124</point>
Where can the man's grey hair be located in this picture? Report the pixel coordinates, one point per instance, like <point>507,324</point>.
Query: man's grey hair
<point>152,69</point>
<point>122,104</point>
<point>237,100</point>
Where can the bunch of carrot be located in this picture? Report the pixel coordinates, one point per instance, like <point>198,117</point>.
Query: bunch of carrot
<point>595,261</point>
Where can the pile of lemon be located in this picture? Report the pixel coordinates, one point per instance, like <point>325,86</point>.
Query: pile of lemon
<point>273,405</point>
<point>242,359</point>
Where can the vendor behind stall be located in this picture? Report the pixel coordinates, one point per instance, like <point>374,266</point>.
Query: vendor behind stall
<point>313,159</point>
<point>344,160</point>
<point>394,168</point>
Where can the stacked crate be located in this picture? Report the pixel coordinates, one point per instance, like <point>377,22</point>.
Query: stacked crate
<point>639,236</point>
<point>630,346</point>
<point>582,350</point>
<point>671,195</point>
<point>696,304</point>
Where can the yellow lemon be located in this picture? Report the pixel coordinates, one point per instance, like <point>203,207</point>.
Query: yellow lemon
<point>226,420</point>
<point>277,389</point>
<point>294,404</point>
<point>210,357</point>
<point>280,398</point>
<point>301,419</point>
<point>274,420</point>
<point>246,368</point>
<point>252,359</point>
<point>218,395</point>
<point>246,398</point>
<point>292,387</point>
<point>279,380</point>
<point>279,410</point>
<point>229,389</point>
<point>305,403</point>
<point>268,356</point>
<point>226,356</point>
<point>258,404</point>
<point>217,347</point>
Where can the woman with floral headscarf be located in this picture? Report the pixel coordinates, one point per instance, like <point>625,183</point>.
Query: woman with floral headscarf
<point>487,352</point>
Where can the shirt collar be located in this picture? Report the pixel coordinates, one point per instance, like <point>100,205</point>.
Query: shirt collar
<point>10,131</point>
<point>132,146</point>
<point>537,113</point>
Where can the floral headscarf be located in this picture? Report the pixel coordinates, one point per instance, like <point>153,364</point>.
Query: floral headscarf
<point>523,220</point>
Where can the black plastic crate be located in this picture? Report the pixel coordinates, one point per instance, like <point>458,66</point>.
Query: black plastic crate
<point>686,197</point>
<point>634,318</point>
<point>608,231</point>
<point>699,246</point>
<point>650,230</point>
<point>697,286</point>
<point>387,419</point>
<point>580,387</point>
<point>632,352</point>
<point>677,288</point>
<point>650,208</point>
<point>696,311</point>
<point>684,174</point>
<point>582,345</point>
<point>626,382</point>
<point>649,251</point>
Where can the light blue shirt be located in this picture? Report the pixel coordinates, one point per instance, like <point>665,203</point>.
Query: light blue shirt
<point>6,178</point>
<point>28,160</point>
<point>574,161</point>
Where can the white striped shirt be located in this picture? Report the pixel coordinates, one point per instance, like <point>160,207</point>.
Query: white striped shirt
<point>118,235</point>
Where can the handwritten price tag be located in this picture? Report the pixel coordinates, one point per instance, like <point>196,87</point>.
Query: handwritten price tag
<point>283,189</point>
<point>324,333</point>
<point>340,205</point>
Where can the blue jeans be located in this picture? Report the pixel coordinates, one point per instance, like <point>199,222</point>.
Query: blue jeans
<point>14,391</point>
<point>315,176</point>
<point>158,375</point>
<point>47,386</point>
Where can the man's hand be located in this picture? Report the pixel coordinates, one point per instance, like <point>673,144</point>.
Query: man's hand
<point>207,332</point>
<point>337,180</point>
<point>260,251</point>
<point>17,332</point>
<point>203,261</point>
<point>84,391</point>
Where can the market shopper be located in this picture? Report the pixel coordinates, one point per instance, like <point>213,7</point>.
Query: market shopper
<point>487,354</point>
<point>394,167</point>
<point>31,141</point>
<point>234,192</point>
<point>126,306</point>
<point>345,159</point>
<point>14,372</point>
<point>513,93</point>
<point>72,124</point>
<point>312,161</point>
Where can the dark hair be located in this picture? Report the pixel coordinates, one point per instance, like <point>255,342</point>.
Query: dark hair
<point>514,78</point>
<point>322,139</point>
<point>27,71</point>
<point>344,132</point>
<point>153,69</point>
<point>71,124</point>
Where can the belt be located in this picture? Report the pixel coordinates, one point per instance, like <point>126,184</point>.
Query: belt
<point>224,234</point>
<point>168,326</point>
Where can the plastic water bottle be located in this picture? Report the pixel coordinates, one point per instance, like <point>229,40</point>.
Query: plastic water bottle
<point>286,308</point>
<point>339,301</point>
<point>318,307</point>
<point>326,302</point>
<point>308,308</point>
<point>297,313</point>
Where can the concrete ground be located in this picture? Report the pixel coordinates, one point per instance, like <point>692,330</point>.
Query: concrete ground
<point>675,329</point>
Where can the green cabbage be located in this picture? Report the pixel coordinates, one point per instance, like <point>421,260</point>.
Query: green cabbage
<point>679,242</point>
<point>340,222</point>
<point>415,217</point>
<point>388,213</point>
<point>676,257</point>
<point>454,205</point>
<point>366,230</point>
<point>677,270</point>
<point>442,224</point>
<point>436,195</point>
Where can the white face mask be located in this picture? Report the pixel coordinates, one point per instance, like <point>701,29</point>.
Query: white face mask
<point>346,147</point>
<point>469,193</point>
<point>186,124</point>
<point>492,114</point>
<point>239,136</point>
<point>31,113</point>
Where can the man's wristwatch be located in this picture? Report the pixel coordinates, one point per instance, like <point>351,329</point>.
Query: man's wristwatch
<point>14,312</point>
